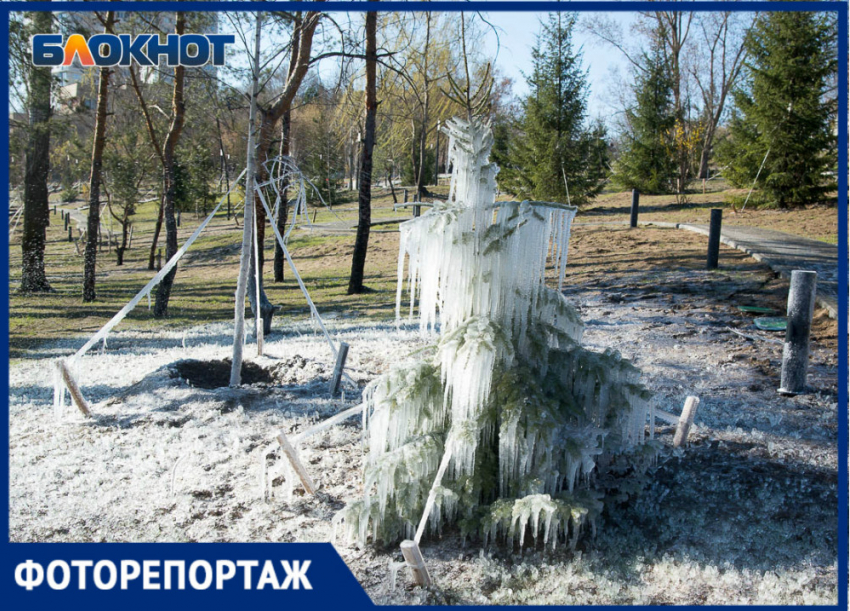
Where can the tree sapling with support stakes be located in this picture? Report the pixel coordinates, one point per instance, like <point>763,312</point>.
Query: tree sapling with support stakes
<point>507,420</point>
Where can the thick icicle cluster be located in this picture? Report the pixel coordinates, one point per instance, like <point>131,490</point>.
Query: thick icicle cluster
<point>527,416</point>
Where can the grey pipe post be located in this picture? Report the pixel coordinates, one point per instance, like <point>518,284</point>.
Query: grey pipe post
<point>714,237</point>
<point>635,204</point>
<point>795,353</point>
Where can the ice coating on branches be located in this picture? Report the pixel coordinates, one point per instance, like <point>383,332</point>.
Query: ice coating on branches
<point>527,415</point>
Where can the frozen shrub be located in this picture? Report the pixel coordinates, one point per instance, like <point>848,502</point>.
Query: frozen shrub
<point>527,416</point>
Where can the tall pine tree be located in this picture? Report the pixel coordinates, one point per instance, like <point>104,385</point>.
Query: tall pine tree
<point>645,161</point>
<point>784,114</point>
<point>550,155</point>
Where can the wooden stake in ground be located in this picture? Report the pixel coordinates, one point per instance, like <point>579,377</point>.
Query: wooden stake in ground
<point>74,389</point>
<point>292,455</point>
<point>248,221</point>
<point>413,557</point>
<point>685,421</point>
<point>410,549</point>
<point>339,367</point>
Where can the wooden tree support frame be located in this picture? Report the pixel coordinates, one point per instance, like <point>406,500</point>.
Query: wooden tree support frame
<point>74,389</point>
<point>299,469</point>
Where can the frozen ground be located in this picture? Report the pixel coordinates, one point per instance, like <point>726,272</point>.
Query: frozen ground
<point>746,515</point>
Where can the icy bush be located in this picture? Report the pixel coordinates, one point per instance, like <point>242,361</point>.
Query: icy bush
<point>526,417</point>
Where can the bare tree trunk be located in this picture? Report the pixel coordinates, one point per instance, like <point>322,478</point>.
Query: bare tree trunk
<point>423,135</point>
<point>36,206</point>
<point>364,219</point>
<point>282,211</point>
<point>156,231</point>
<point>125,232</point>
<point>392,188</point>
<point>302,44</point>
<point>90,257</point>
<point>178,110</point>
<point>248,220</point>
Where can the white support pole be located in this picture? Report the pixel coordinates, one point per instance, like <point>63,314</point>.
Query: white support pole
<point>247,221</point>
<point>326,424</point>
<point>297,466</point>
<point>432,495</point>
<point>685,421</point>
<point>74,389</point>
<point>298,278</point>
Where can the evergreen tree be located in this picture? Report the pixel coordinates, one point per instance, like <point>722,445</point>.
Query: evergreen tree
<point>552,151</point>
<point>647,160</point>
<point>783,115</point>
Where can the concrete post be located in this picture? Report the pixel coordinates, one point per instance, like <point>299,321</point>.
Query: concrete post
<point>714,237</point>
<point>635,204</point>
<point>795,353</point>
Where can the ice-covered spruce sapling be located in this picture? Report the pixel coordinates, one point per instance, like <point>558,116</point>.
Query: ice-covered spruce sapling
<point>534,427</point>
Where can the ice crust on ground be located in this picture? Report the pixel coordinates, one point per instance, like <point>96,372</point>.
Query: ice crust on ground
<point>525,413</point>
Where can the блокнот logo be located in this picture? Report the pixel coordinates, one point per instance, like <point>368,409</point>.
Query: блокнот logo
<point>190,50</point>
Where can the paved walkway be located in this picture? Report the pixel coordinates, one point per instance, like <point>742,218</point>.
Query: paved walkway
<point>784,252</point>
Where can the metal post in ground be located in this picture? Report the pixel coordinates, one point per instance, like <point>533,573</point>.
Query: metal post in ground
<point>405,196</point>
<point>70,234</point>
<point>795,353</point>
<point>416,208</point>
<point>714,237</point>
<point>635,203</point>
<point>67,220</point>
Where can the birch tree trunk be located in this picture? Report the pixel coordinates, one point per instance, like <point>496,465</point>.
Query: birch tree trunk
<point>247,221</point>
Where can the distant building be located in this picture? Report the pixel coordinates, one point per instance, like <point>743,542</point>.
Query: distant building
<point>73,93</point>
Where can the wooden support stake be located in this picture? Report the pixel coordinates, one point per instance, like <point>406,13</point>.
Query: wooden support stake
<point>326,424</point>
<point>413,557</point>
<point>292,455</point>
<point>340,365</point>
<point>666,416</point>
<point>74,389</point>
<point>685,421</point>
